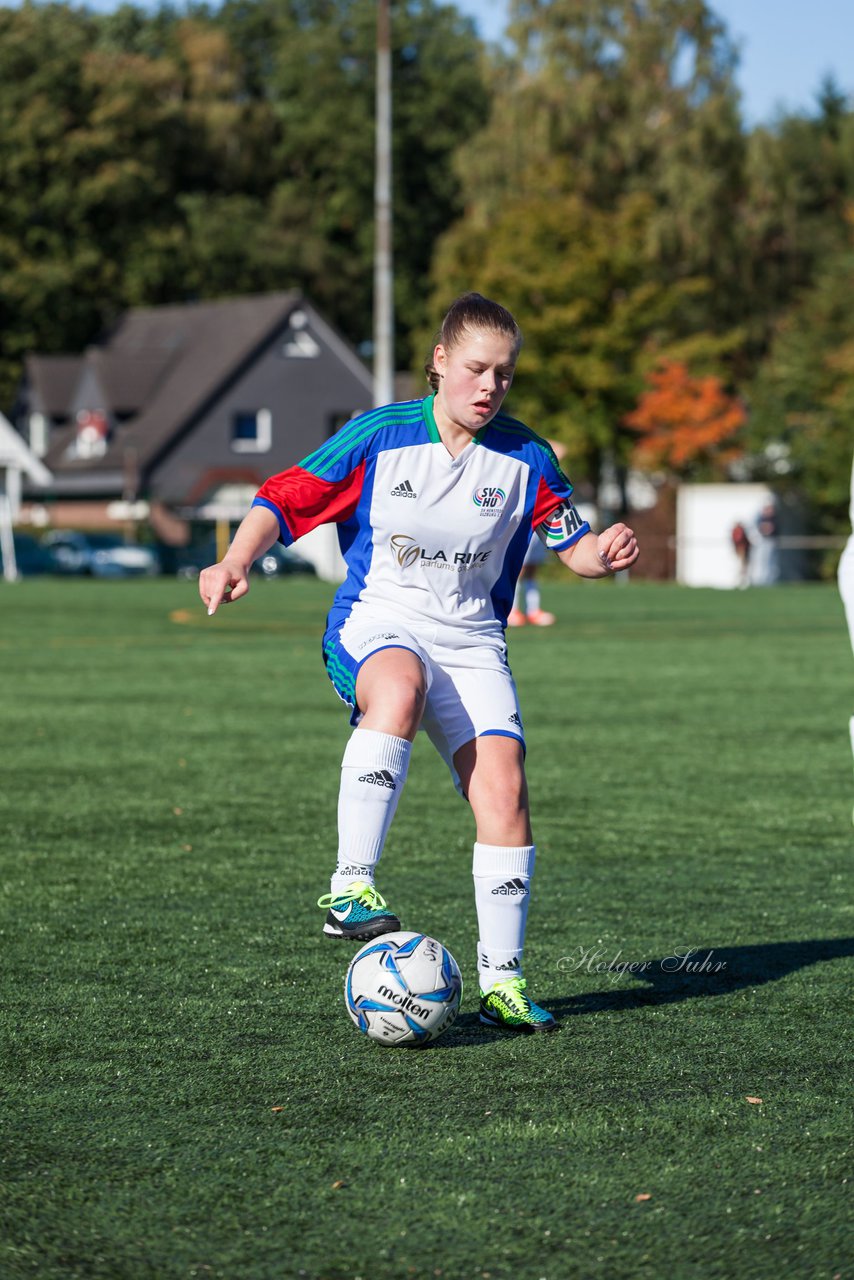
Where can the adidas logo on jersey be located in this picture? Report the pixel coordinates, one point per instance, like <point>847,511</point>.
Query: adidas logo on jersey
<point>380,778</point>
<point>512,888</point>
<point>515,719</point>
<point>404,490</point>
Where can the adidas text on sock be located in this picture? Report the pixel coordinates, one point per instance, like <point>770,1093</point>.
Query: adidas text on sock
<point>349,874</point>
<point>494,966</point>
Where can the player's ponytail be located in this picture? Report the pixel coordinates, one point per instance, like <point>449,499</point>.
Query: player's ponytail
<point>470,313</point>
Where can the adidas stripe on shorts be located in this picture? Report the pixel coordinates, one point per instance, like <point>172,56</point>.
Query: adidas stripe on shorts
<point>470,689</point>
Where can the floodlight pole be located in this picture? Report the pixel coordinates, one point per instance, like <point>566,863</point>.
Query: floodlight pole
<point>383,273</point>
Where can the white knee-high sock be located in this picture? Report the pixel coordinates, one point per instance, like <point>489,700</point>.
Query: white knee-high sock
<point>502,887</point>
<point>373,772</point>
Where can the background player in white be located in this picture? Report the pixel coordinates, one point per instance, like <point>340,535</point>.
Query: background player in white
<point>402,649</point>
<point>846,586</point>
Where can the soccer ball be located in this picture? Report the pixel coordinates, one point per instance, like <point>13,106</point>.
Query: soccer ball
<point>403,989</point>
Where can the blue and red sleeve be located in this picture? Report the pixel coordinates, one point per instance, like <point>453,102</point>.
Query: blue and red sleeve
<point>301,500</point>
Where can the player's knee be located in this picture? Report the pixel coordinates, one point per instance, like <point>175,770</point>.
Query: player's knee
<point>409,700</point>
<point>396,705</point>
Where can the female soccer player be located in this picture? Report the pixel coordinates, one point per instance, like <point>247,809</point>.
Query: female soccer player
<point>435,502</point>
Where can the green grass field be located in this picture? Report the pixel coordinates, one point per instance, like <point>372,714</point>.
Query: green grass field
<point>182,1092</point>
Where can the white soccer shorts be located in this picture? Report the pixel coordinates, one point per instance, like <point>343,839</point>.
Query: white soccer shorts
<point>470,689</point>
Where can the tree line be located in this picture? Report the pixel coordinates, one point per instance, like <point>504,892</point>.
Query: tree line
<point>682,280</point>
<point>151,157</point>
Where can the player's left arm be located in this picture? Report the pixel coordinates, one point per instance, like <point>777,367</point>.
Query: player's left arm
<point>599,555</point>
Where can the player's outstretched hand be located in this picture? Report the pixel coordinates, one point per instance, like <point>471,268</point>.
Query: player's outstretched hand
<point>618,548</point>
<point>222,583</point>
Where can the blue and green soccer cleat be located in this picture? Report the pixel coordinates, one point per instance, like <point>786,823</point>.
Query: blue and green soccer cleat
<point>357,912</point>
<point>506,1005</point>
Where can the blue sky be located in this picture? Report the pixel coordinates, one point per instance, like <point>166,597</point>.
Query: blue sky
<point>787,46</point>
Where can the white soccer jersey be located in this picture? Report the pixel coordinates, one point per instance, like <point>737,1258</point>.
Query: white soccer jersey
<point>432,540</point>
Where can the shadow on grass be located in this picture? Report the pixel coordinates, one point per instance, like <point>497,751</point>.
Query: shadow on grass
<point>695,974</point>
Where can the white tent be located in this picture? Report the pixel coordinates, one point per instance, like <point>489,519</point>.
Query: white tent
<point>16,461</point>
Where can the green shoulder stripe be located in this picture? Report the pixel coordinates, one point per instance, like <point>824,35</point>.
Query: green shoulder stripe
<point>350,436</point>
<point>513,427</point>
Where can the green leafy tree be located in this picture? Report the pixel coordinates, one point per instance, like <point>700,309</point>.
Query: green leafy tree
<point>158,157</point>
<point>49,282</point>
<point>316,63</point>
<point>600,201</point>
<point>595,320</point>
<point>630,98</point>
<point>802,403</point>
<point>799,187</point>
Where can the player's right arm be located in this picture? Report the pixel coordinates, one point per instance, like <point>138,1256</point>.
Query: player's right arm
<point>229,580</point>
<point>324,488</point>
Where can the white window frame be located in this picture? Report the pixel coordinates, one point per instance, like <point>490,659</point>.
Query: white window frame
<point>263,433</point>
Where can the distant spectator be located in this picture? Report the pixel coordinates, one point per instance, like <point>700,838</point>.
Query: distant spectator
<point>766,568</point>
<point>741,546</point>
<point>527,606</point>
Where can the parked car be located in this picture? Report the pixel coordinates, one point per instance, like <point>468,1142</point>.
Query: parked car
<point>280,561</point>
<point>277,562</point>
<point>30,556</point>
<point>100,555</point>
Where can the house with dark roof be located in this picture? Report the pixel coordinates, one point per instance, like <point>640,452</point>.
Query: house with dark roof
<point>183,411</point>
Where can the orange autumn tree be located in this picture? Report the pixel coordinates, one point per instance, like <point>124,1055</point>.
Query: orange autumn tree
<point>684,420</point>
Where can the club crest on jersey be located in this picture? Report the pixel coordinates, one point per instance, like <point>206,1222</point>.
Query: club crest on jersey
<point>489,499</point>
<point>408,551</point>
